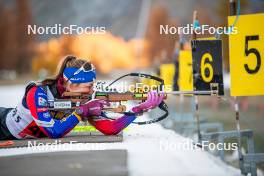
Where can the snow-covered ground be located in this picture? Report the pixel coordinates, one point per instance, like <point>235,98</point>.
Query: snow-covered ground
<point>11,95</point>
<point>152,150</point>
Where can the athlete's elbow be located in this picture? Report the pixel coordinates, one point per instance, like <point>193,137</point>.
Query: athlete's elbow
<point>55,134</point>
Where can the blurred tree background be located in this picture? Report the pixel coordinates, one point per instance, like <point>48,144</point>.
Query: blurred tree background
<point>21,53</point>
<point>17,47</point>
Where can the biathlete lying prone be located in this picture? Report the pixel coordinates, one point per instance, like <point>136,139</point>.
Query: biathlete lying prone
<point>32,118</point>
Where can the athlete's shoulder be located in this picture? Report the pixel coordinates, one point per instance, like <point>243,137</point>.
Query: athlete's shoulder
<point>38,90</point>
<point>38,95</point>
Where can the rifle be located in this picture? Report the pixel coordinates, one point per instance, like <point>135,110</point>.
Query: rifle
<point>75,99</point>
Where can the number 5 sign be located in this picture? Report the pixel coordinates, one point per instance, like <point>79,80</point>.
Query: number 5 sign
<point>246,50</point>
<point>207,65</point>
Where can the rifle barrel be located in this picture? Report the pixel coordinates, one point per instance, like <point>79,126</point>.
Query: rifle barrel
<point>198,92</point>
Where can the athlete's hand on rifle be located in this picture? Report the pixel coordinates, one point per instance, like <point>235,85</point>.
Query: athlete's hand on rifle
<point>153,100</point>
<point>91,108</point>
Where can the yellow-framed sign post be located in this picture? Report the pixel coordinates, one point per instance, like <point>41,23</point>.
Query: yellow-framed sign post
<point>246,50</point>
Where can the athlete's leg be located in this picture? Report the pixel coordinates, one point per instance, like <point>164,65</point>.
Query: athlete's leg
<point>4,132</point>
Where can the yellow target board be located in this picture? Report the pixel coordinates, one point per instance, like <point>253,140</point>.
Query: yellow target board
<point>185,71</point>
<point>167,72</point>
<point>246,50</point>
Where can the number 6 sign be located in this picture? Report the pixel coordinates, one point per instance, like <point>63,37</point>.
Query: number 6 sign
<point>246,50</point>
<point>207,65</point>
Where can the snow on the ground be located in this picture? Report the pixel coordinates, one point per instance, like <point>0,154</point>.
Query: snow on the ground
<point>10,95</point>
<point>152,150</point>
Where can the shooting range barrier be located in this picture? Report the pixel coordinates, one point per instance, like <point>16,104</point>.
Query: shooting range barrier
<point>201,69</point>
<point>84,138</point>
<point>80,134</point>
<point>90,162</point>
